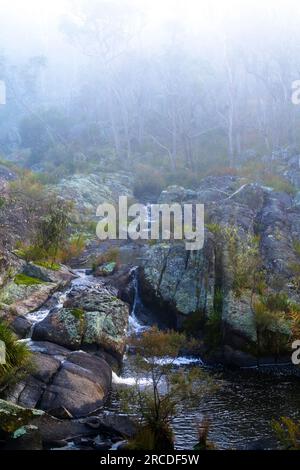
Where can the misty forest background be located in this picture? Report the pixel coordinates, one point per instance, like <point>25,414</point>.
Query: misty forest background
<point>177,103</point>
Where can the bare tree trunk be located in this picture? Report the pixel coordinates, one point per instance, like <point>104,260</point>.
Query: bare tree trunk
<point>113,123</point>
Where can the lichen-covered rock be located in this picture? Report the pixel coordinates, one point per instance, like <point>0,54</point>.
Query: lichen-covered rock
<point>183,283</point>
<point>180,279</point>
<point>238,320</point>
<point>106,269</point>
<point>92,317</point>
<point>88,191</point>
<point>63,327</point>
<point>25,438</point>
<point>13,417</point>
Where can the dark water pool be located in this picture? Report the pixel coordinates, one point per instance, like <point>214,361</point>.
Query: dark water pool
<point>240,412</point>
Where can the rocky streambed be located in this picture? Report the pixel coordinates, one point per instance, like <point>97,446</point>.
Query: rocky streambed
<point>75,339</point>
<point>76,325</point>
<point>68,401</point>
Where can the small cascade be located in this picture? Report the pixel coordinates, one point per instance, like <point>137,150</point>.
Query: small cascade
<point>58,298</point>
<point>179,361</point>
<point>135,326</point>
<point>117,380</point>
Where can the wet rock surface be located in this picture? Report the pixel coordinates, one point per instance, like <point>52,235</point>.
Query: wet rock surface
<point>61,379</point>
<point>92,316</point>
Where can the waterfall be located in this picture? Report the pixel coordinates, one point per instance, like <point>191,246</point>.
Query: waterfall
<point>135,326</point>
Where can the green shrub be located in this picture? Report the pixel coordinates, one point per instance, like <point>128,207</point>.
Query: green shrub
<point>287,432</point>
<point>279,184</point>
<point>71,248</point>
<point>17,359</point>
<point>148,439</point>
<point>213,325</point>
<point>214,228</point>
<point>277,302</point>
<point>183,177</point>
<point>48,265</point>
<point>214,329</point>
<point>296,246</point>
<point>144,440</point>
<point>273,325</point>
<point>30,252</point>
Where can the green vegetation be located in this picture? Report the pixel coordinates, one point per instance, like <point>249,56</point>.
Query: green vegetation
<point>245,261</point>
<point>214,228</point>
<point>24,280</point>
<point>287,432</point>
<point>243,258</point>
<point>110,256</point>
<point>295,270</point>
<point>70,248</point>
<point>277,322</point>
<point>77,313</point>
<point>18,359</point>
<point>203,430</point>
<point>52,227</point>
<point>296,246</point>
<point>279,184</point>
<point>193,323</point>
<point>214,323</point>
<point>167,391</point>
<point>48,265</point>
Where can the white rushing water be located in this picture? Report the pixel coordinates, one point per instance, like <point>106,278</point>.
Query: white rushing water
<point>58,298</point>
<point>117,380</point>
<point>137,327</point>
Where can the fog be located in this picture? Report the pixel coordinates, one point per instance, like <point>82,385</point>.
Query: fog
<point>187,84</point>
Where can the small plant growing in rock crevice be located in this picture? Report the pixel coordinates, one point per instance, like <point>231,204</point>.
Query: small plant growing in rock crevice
<point>214,323</point>
<point>296,246</point>
<point>77,313</point>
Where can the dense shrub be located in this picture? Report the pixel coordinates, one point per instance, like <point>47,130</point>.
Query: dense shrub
<point>18,359</point>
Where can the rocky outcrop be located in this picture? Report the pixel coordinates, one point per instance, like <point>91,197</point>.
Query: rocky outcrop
<point>88,191</point>
<point>63,382</point>
<point>178,280</point>
<point>92,317</point>
<point>22,295</point>
<point>183,283</point>
<point>31,429</point>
